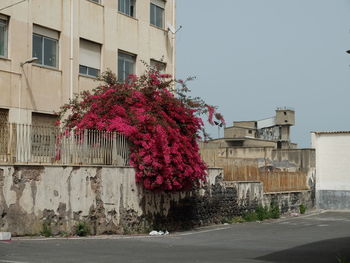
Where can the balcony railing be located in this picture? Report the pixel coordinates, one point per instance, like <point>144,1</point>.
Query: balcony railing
<point>28,144</point>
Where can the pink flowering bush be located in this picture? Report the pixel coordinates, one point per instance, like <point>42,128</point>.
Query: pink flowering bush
<point>162,126</point>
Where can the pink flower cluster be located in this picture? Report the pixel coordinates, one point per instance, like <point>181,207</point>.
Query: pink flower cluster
<point>162,130</point>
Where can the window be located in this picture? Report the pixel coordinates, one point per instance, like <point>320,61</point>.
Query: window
<point>45,46</point>
<point>126,65</point>
<point>157,13</point>
<point>127,7</point>
<point>3,35</point>
<point>95,1</point>
<point>4,132</point>
<point>43,133</point>
<point>158,65</point>
<point>90,58</point>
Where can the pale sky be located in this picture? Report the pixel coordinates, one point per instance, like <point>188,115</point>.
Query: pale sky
<point>251,56</point>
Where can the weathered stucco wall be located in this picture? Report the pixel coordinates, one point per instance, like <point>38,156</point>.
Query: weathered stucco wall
<point>109,201</point>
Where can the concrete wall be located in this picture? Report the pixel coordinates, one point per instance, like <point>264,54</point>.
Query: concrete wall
<point>285,117</point>
<point>239,132</point>
<point>245,124</point>
<point>250,142</point>
<point>333,170</point>
<point>290,201</point>
<point>109,201</point>
<point>36,88</point>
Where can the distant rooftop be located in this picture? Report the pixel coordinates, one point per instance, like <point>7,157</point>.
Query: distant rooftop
<point>285,108</point>
<point>332,132</point>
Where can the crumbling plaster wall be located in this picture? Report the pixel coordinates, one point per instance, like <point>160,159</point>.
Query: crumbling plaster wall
<point>109,201</point>
<point>107,198</point>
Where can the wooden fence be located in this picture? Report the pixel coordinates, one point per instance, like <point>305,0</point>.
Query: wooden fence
<point>274,181</point>
<point>28,144</point>
<point>248,169</point>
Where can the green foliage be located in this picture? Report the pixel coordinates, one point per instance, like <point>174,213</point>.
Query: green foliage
<point>250,216</point>
<point>342,259</point>
<point>226,220</point>
<point>82,229</point>
<point>274,211</point>
<point>262,212</point>
<point>233,220</point>
<point>238,219</point>
<point>46,231</point>
<point>63,234</point>
<point>302,209</point>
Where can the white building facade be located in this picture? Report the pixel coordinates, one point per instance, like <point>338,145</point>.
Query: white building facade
<point>332,169</point>
<point>74,41</point>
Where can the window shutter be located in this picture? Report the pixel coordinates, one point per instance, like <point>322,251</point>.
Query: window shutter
<point>160,3</point>
<point>45,32</point>
<point>2,17</point>
<point>90,54</point>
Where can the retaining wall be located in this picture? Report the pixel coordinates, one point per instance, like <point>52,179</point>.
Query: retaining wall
<point>109,200</point>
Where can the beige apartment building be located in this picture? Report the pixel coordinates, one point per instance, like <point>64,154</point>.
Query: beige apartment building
<point>52,49</point>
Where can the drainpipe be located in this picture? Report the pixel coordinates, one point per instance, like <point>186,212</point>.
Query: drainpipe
<point>71,48</point>
<point>174,37</point>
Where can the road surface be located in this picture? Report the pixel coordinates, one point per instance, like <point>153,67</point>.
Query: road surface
<point>318,237</point>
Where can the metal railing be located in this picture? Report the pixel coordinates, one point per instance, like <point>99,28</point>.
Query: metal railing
<point>28,144</point>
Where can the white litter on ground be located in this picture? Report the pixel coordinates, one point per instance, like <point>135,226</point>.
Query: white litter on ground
<point>5,236</point>
<point>158,233</point>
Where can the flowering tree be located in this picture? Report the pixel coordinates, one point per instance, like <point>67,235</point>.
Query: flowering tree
<point>161,123</point>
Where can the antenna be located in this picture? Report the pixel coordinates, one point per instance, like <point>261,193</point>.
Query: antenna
<point>172,29</point>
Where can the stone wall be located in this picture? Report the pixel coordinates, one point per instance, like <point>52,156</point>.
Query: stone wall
<point>290,201</point>
<point>109,201</point>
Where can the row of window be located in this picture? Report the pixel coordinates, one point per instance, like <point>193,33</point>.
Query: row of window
<point>128,7</point>
<point>124,6</point>
<point>90,57</point>
<point>45,49</point>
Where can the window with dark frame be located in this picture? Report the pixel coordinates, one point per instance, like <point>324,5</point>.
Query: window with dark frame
<point>127,7</point>
<point>158,65</point>
<point>4,131</point>
<point>43,134</point>
<point>126,65</point>
<point>157,14</point>
<point>3,35</point>
<point>45,47</point>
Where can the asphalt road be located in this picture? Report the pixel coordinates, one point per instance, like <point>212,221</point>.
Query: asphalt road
<point>312,238</point>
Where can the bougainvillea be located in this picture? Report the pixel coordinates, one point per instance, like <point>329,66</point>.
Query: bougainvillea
<point>159,120</point>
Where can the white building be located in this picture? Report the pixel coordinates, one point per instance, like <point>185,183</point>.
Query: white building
<point>73,41</point>
<point>332,169</point>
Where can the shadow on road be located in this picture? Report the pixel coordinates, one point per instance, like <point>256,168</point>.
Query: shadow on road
<point>323,251</point>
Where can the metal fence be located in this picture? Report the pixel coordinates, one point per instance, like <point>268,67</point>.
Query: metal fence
<point>24,144</point>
